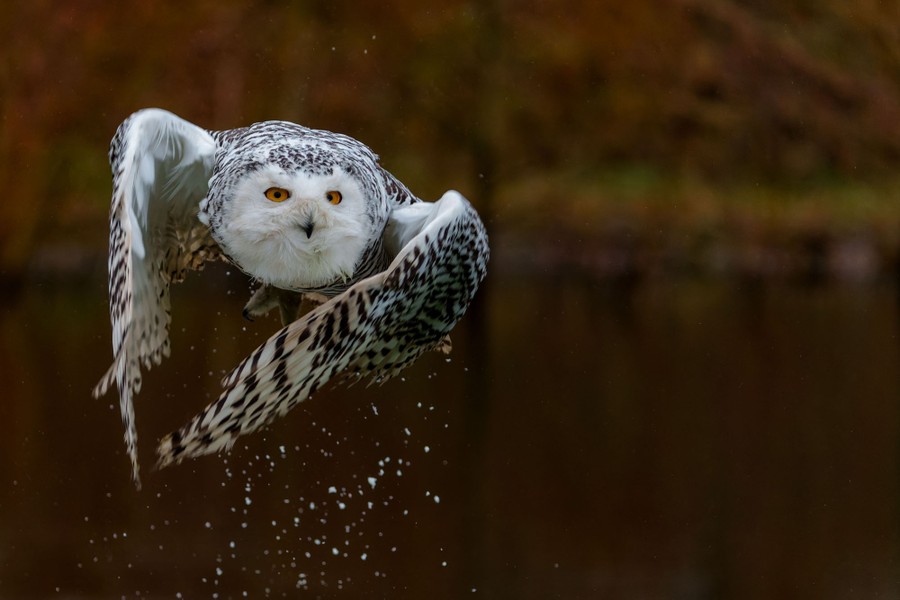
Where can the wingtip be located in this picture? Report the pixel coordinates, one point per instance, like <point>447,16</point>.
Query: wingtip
<point>135,466</point>
<point>167,452</point>
<point>105,381</point>
<point>164,456</point>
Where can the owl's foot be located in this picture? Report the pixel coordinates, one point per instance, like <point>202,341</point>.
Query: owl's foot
<point>268,297</point>
<point>261,302</point>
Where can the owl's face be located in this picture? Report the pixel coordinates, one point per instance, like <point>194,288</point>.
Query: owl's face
<point>296,229</point>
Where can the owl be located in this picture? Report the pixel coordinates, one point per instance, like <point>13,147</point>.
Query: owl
<point>308,214</point>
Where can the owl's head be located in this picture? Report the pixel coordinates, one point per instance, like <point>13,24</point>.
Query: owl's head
<point>293,222</point>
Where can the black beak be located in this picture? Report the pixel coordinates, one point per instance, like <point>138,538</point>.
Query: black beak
<point>308,228</point>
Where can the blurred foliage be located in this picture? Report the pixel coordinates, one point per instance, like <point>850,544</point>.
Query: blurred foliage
<point>487,97</point>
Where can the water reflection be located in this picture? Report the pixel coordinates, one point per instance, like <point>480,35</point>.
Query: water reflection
<point>674,440</point>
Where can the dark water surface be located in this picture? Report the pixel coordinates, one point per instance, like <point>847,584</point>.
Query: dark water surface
<point>677,440</point>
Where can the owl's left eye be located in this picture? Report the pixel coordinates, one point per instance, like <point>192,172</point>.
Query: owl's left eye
<point>277,194</point>
<point>334,197</point>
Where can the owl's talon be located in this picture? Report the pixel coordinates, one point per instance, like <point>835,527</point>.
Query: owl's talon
<point>261,302</point>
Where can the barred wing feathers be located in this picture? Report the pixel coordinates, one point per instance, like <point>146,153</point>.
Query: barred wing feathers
<point>374,329</point>
<point>161,165</point>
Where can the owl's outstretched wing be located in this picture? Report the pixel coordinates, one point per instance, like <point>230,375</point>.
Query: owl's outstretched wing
<point>374,329</point>
<point>161,166</point>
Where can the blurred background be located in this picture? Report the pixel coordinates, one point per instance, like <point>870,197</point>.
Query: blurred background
<point>680,379</point>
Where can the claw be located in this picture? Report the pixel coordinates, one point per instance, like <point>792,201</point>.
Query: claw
<point>262,301</point>
<point>267,297</point>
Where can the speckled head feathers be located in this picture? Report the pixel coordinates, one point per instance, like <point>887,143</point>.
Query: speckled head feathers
<point>305,242</point>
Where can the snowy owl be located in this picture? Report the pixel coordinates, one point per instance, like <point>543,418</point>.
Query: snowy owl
<point>306,213</point>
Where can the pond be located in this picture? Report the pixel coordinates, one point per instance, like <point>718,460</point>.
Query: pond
<point>689,439</point>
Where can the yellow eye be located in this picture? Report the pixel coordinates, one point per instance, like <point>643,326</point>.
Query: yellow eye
<point>334,197</point>
<point>276,194</point>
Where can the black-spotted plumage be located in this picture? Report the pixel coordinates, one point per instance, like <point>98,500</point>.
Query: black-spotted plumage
<point>397,273</point>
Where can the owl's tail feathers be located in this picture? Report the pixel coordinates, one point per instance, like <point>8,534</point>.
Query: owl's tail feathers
<point>128,385</point>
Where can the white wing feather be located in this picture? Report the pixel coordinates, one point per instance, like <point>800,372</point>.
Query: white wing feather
<point>375,328</point>
<point>161,167</point>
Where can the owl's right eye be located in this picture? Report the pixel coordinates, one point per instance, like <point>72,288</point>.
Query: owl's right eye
<point>277,194</point>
